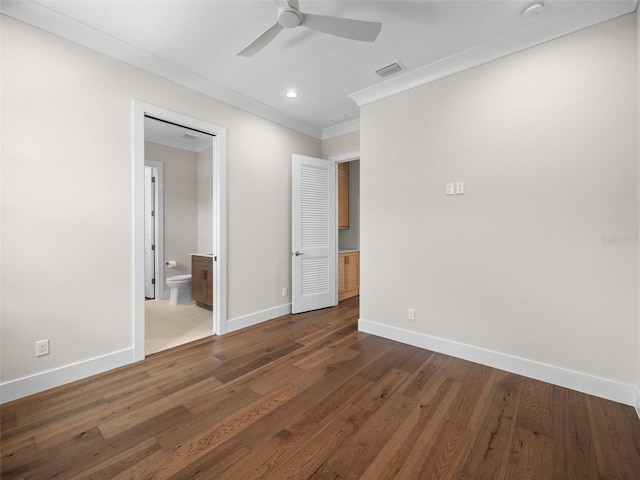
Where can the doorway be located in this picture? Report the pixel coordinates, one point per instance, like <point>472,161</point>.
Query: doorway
<point>185,158</point>
<point>325,262</point>
<point>218,315</point>
<point>348,231</point>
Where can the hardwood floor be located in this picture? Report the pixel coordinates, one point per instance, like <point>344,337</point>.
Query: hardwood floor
<point>308,396</point>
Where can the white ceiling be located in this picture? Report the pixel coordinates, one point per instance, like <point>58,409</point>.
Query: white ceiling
<point>194,43</point>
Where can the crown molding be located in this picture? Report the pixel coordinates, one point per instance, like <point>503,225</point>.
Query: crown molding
<point>586,15</point>
<point>51,21</point>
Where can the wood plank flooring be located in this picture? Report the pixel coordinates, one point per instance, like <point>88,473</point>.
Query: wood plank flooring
<point>310,397</point>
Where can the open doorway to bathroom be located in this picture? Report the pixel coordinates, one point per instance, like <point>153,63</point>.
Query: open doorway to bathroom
<point>179,226</point>
<point>178,234</point>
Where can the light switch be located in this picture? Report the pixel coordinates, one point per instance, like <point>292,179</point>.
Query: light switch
<point>450,189</point>
<point>460,188</point>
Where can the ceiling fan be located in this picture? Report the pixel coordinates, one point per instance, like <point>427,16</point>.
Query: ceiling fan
<point>290,16</point>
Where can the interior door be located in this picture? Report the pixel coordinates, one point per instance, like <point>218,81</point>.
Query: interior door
<point>314,234</point>
<point>149,233</point>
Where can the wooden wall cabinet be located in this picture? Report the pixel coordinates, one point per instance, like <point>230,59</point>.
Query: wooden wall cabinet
<point>202,281</point>
<point>348,275</point>
<point>343,195</point>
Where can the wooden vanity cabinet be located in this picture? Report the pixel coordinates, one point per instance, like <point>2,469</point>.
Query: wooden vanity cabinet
<point>348,275</point>
<point>343,195</point>
<point>202,281</point>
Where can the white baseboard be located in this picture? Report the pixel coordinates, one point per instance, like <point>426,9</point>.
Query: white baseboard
<point>638,401</point>
<point>258,317</point>
<point>40,382</point>
<point>600,387</point>
<point>54,378</point>
<point>616,391</point>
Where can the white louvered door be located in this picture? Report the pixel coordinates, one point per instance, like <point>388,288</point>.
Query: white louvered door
<point>314,234</point>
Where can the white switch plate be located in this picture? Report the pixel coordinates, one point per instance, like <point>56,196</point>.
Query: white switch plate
<point>459,188</point>
<point>285,291</point>
<point>450,189</point>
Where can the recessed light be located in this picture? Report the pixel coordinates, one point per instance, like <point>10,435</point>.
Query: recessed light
<point>292,94</point>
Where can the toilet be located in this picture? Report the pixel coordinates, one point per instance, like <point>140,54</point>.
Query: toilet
<point>180,286</point>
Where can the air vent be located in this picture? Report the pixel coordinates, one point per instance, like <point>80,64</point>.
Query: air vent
<point>340,119</point>
<point>389,70</point>
<point>186,136</point>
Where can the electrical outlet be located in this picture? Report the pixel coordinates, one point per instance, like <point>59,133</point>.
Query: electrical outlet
<point>285,291</point>
<point>459,188</point>
<point>411,315</point>
<point>42,348</point>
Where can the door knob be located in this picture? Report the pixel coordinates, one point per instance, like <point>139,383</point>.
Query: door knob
<point>297,254</point>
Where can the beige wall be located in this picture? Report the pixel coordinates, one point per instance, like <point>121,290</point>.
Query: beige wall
<point>205,201</point>
<point>341,145</point>
<point>180,186</point>
<point>67,256</point>
<point>546,143</point>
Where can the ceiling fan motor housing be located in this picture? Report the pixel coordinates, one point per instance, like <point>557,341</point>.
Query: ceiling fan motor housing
<point>290,18</point>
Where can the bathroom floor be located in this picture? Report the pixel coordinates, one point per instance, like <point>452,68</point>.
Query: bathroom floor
<point>168,326</point>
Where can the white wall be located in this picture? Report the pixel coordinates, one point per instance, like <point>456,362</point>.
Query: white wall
<point>205,201</point>
<point>341,145</point>
<point>180,185</point>
<point>67,256</point>
<point>546,142</point>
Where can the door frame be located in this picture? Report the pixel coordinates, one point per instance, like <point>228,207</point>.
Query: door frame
<point>347,157</point>
<point>140,109</point>
<point>158,223</point>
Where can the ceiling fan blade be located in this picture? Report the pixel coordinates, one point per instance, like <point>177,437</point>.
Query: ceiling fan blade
<point>287,4</point>
<point>343,27</point>
<point>261,42</point>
